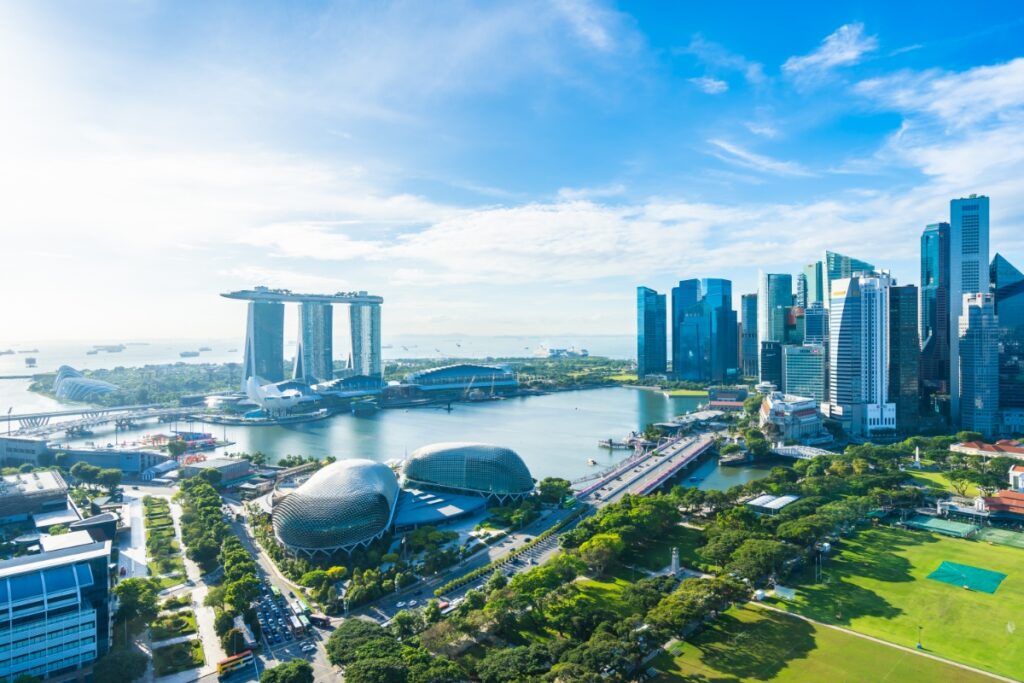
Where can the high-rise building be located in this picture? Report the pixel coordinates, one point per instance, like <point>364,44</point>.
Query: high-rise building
<point>904,357</point>
<point>748,316</point>
<point>968,274</point>
<point>56,616</point>
<point>838,266</point>
<point>795,326</point>
<point>978,382</point>
<point>1008,288</point>
<point>814,284</point>
<point>651,340</point>
<point>771,363</point>
<point>804,370</point>
<point>722,355</point>
<point>264,343</point>
<point>816,324</point>
<point>858,356</point>
<point>365,324</point>
<point>686,330</point>
<point>774,296</point>
<point>314,357</point>
<point>934,309</point>
<point>800,298</point>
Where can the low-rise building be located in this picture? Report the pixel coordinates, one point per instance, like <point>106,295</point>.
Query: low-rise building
<point>24,495</point>
<point>784,417</point>
<point>1004,448</point>
<point>232,470</point>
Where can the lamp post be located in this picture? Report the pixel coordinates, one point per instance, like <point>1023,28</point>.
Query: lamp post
<point>919,629</point>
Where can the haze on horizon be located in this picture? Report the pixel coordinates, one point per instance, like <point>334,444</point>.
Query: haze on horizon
<point>514,168</point>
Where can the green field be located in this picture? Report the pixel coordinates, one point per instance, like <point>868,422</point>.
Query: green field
<point>687,392</point>
<point>656,554</point>
<point>877,585</point>
<point>754,644</point>
<point>939,480</point>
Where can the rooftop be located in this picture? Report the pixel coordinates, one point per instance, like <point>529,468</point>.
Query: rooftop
<point>69,540</point>
<point>44,520</point>
<point>33,482</point>
<point>287,295</point>
<point>56,558</point>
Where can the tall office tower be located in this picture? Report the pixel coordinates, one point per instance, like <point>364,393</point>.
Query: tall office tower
<point>651,340</point>
<point>839,266</point>
<point>1008,288</point>
<point>314,357</point>
<point>904,357</point>
<point>264,343</point>
<point>934,309</point>
<point>800,298</point>
<point>858,354</point>
<point>721,356</point>
<point>365,323</point>
<point>748,316</point>
<point>774,296</point>
<point>56,609</point>
<point>815,284</point>
<point>804,370</point>
<point>816,324</point>
<point>979,364</point>
<point>795,326</point>
<point>968,274</point>
<point>687,321</point>
<point>771,363</point>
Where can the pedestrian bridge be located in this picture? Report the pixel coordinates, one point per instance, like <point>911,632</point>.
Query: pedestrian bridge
<point>41,424</point>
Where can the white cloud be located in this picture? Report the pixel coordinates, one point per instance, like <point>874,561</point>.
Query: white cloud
<point>762,129</point>
<point>713,54</point>
<point>612,190</point>
<point>734,154</point>
<point>844,47</point>
<point>712,86</point>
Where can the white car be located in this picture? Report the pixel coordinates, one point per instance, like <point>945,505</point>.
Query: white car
<point>412,603</point>
<point>400,604</point>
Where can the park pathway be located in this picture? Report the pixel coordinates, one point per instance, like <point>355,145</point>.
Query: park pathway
<point>911,650</point>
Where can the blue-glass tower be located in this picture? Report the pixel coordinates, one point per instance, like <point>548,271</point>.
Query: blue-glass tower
<point>651,342</point>
<point>1008,288</point>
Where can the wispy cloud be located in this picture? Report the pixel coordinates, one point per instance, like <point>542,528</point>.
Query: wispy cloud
<point>734,154</point>
<point>844,47</point>
<point>762,129</point>
<point>712,86</point>
<point>714,55</point>
<point>613,190</point>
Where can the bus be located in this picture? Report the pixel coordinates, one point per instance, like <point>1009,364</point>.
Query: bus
<point>275,591</point>
<point>319,620</point>
<point>226,667</point>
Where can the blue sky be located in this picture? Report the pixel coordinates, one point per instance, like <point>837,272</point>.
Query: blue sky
<point>491,168</point>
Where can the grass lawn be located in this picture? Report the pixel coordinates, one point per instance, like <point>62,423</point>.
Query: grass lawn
<point>878,586</point>
<point>657,554</point>
<point>623,377</point>
<point>753,644</point>
<point>938,480</point>
<point>606,592</point>
<point>686,392</point>
<point>173,625</point>
<point>180,657</point>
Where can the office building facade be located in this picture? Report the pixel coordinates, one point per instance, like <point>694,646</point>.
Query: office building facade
<point>904,357</point>
<point>858,382</point>
<point>804,371</point>
<point>722,360</point>
<point>837,266</point>
<point>978,336</point>
<point>364,320</point>
<point>1008,290</point>
<point>816,324</point>
<point>314,357</point>
<point>933,327</point>
<point>704,331</point>
<point>749,350</point>
<point>264,343</point>
<point>770,362</point>
<point>54,611</point>
<point>651,339</point>
<point>774,297</point>
<point>968,274</point>
<point>814,284</point>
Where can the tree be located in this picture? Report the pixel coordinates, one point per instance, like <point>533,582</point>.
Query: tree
<point>960,480</point>
<point>211,476</point>
<point>121,665</point>
<point>406,623</point>
<point>554,489</point>
<point>377,670</point>
<point>601,549</point>
<point>58,529</point>
<point>176,448</point>
<point>109,479</point>
<point>354,635</point>
<point>85,473</point>
<point>137,600</point>
<point>758,557</point>
<point>432,612</point>
<point>233,641</point>
<point>240,593</point>
<point>295,671</point>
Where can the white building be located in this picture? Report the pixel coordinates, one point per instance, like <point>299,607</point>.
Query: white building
<point>794,418</point>
<point>859,354</point>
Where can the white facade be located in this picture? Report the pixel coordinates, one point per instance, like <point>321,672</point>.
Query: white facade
<point>795,418</point>
<point>978,336</point>
<point>968,274</point>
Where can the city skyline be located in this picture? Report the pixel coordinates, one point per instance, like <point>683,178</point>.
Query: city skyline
<point>150,171</point>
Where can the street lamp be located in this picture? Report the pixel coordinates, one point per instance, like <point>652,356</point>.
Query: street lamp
<point>919,629</point>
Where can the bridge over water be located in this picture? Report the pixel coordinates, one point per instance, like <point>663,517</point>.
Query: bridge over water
<point>43,423</point>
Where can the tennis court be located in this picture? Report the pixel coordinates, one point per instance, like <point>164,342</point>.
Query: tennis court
<point>966,576</point>
<point>941,526</point>
<point>1001,536</point>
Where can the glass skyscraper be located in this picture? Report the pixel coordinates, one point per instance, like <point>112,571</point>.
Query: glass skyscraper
<point>1008,288</point>
<point>720,334</point>
<point>774,297</point>
<point>749,350</point>
<point>968,274</point>
<point>979,364</point>
<point>771,363</point>
<point>904,357</point>
<point>933,327</point>
<point>687,321</point>
<point>264,343</point>
<point>804,370</point>
<point>651,341</point>
<point>814,284</point>
<point>816,324</point>
<point>839,266</point>
<point>365,324</point>
<point>704,331</point>
<point>314,357</point>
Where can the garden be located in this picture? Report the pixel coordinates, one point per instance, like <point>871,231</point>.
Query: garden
<point>172,625</point>
<point>178,657</point>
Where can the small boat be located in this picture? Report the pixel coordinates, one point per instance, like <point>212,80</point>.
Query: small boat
<point>30,362</point>
<point>7,352</point>
<point>92,352</point>
<point>29,351</point>
<point>591,461</point>
<point>188,354</point>
<point>232,350</point>
<point>204,348</point>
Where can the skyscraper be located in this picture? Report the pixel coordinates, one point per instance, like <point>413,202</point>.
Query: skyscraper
<point>904,357</point>
<point>686,320</point>
<point>804,370</point>
<point>968,274</point>
<point>839,266</point>
<point>748,316</point>
<point>704,330</point>
<point>314,357</point>
<point>816,324</point>
<point>934,310</point>
<point>651,341</point>
<point>771,363</point>
<point>264,343</point>
<point>1008,288</point>
<point>774,296</point>
<point>978,382</point>
<point>800,298</point>
<point>815,284</point>
<point>721,359</point>
<point>859,354</point>
<point>365,323</point>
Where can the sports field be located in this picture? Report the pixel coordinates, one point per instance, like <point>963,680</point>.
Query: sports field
<point>878,585</point>
<point>753,644</point>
